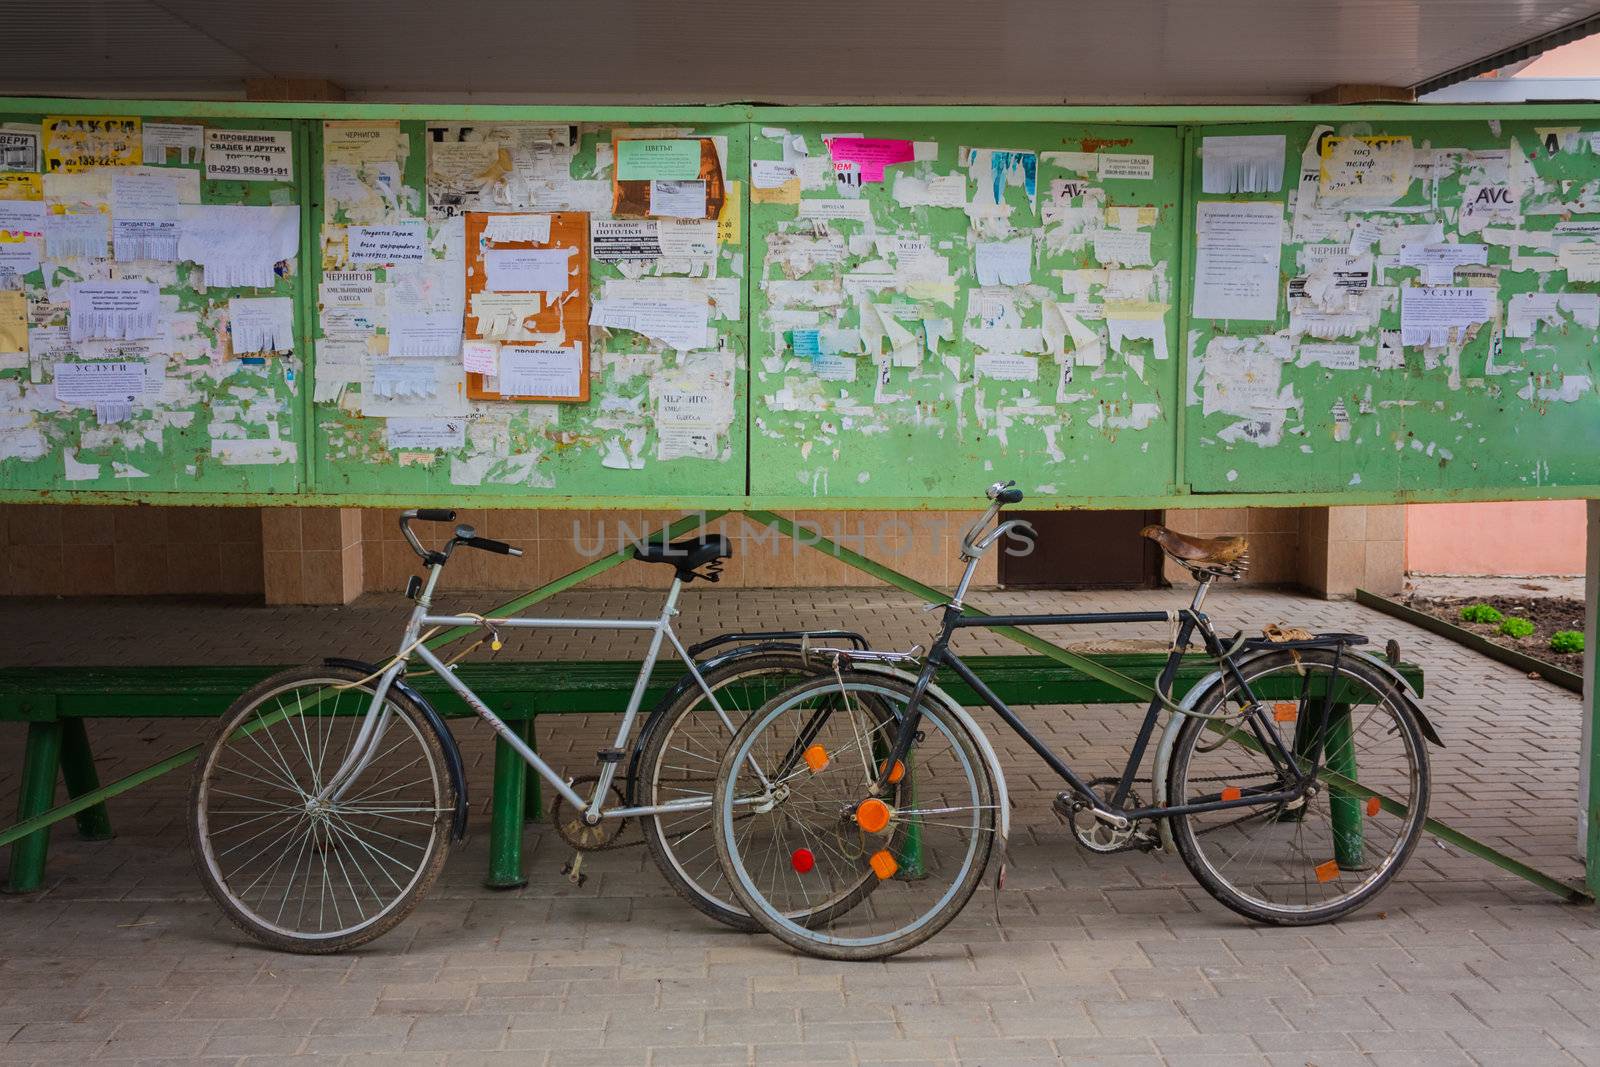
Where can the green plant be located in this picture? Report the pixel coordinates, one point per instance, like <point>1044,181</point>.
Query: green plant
<point>1517,628</point>
<point>1480,613</point>
<point>1566,641</point>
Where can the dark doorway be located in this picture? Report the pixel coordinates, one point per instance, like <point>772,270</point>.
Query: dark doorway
<point>1086,550</point>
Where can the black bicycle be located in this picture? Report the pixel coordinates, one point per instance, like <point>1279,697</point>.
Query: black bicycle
<point>856,812</point>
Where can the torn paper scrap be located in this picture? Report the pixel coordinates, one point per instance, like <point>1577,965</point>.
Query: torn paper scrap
<point>1373,170</point>
<point>261,324</point>
<point>870,154</point>
<point>114,310</point>
<point>1252,164</point>
<point>423,434</point>
<point>1122,248</point>
<point>534,229</point>
<point>504,316</point>
<point>1005,262</point>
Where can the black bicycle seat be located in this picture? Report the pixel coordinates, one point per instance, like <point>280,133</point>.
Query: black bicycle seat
<point>688,554</point>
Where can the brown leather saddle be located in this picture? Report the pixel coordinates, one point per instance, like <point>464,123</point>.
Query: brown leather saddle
<point>1219,557</point>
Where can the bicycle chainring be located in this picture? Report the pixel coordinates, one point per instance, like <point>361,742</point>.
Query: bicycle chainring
<point>1095,834</point>
<point>571,828</point>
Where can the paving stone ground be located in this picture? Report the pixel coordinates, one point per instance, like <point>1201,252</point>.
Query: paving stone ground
<point>1082,959</point>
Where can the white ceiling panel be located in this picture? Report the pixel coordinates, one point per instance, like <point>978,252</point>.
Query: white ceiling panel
<point>969,51</point>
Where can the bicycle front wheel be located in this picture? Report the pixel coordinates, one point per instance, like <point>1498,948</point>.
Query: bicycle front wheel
<point>816,857</point>
<point>1328,851</point>
<point>308,872</point>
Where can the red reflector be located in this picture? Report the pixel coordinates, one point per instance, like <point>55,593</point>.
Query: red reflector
<point>802,860</point>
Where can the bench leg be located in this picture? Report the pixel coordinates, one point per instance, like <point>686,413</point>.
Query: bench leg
<point>41,762</point>
<point>1348,848</point>
<point>505,817</point>
<point>77,769</point>
<point>535,806</point>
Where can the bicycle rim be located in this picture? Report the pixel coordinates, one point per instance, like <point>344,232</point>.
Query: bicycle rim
<point>1310,858</point>
<point>820,862</point>
<point>290,866</point>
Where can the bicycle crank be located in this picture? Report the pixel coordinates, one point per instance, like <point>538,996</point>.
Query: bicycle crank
<point>1095,830</point>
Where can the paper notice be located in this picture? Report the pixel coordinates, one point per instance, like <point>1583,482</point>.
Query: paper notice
<point>829,210</point>
<point>1371,169</point>
<point>1122,248</point>
<point>250,155</point>
<point>19,147</point>
<point>164,143</point>
<point>1121,166</point>
<point>264,324</point>
<point>678,324</point>
<point>1484,204</point>
<point>238,245</point>
<point>114,310</point>
<point>1007,366</point>
<point>481,357</point>
<point>772,174</point>
<point>688,238</point>
<point>84,234</point>
<point>1237,260</point>
<point>651,160</point>
<point>405,242</point>
<point>348,289</point>
<point>76,143</point>
<point>13,321</point>
<point>527,270</point>
<point>1429,316</point>
<point>1438,262</point>
<point>614,240</point>
<point>433,334</point>
<point>402,379</point>
<point>88,384</point>
<point>1004,262</point>
<point>833,367</point>
<point>678,199</point>
<point>541,370</point>
<point>870,154</point>
<point>1580,261</point>
<point>534,229</point>
<point>403,433</point>
<point>17,258</point>
<point>22,216</point>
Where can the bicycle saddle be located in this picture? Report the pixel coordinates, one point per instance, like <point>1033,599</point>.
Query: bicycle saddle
<point>688,554</point>
<point>1226,556</point>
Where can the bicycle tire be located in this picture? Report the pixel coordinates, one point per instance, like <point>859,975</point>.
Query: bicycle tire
<point>1319,852</point>
<point>347,831</point>
<point>809,930</point>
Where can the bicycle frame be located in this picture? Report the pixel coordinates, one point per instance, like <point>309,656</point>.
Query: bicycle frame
<point>375,722</point>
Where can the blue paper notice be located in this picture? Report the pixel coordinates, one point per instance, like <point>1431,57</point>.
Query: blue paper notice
<point>808,343</point>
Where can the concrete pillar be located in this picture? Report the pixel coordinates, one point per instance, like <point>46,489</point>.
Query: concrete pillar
<point>1344,548</point>
<point>311,555</point>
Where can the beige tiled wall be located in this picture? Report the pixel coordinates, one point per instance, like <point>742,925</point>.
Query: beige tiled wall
<point>1354,547</point>
<point>90,550</point>
<point>922,545</point>
<point>1274,534</point>
<point>312,555</point>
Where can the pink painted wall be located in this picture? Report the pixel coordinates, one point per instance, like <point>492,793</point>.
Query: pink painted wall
<point>1516,537</point>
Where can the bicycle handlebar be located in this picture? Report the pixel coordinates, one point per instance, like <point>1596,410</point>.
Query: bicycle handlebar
<point>464,535</point>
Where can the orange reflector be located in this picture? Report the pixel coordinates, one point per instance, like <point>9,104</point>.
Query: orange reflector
<point>896,773</point>
<point>1327,872</point>
<point>1233,792</point>
<point>1373,806</point>
<point>872,815</point>
<point>1285,711</point>
<point>816,757</point>
<point>883,864</point>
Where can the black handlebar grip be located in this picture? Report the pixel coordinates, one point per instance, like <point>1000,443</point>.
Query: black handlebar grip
<point>1009,496</point>
<point>492,546</point>
<point>436,514</point>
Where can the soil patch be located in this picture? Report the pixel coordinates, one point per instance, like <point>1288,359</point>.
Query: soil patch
<point>1547,613</point>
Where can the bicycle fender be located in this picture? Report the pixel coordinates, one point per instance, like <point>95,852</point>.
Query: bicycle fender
<point>981,739</point>
<point>1406,691</point>
<point>447,741</point>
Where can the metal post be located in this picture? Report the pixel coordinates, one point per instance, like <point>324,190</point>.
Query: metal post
<point>506,811</point>
<point>1345,808</point>
<point>77,770</point>
<point>1588,781</point>
<point>41,763</point>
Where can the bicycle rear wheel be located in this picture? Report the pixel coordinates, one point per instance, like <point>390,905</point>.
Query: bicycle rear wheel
<point>305,873</point>
<point>682,751</point>
<point>1322,855</point>
<point>821,862</point>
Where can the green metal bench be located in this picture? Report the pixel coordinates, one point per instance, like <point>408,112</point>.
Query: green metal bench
<point>55,702</point>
